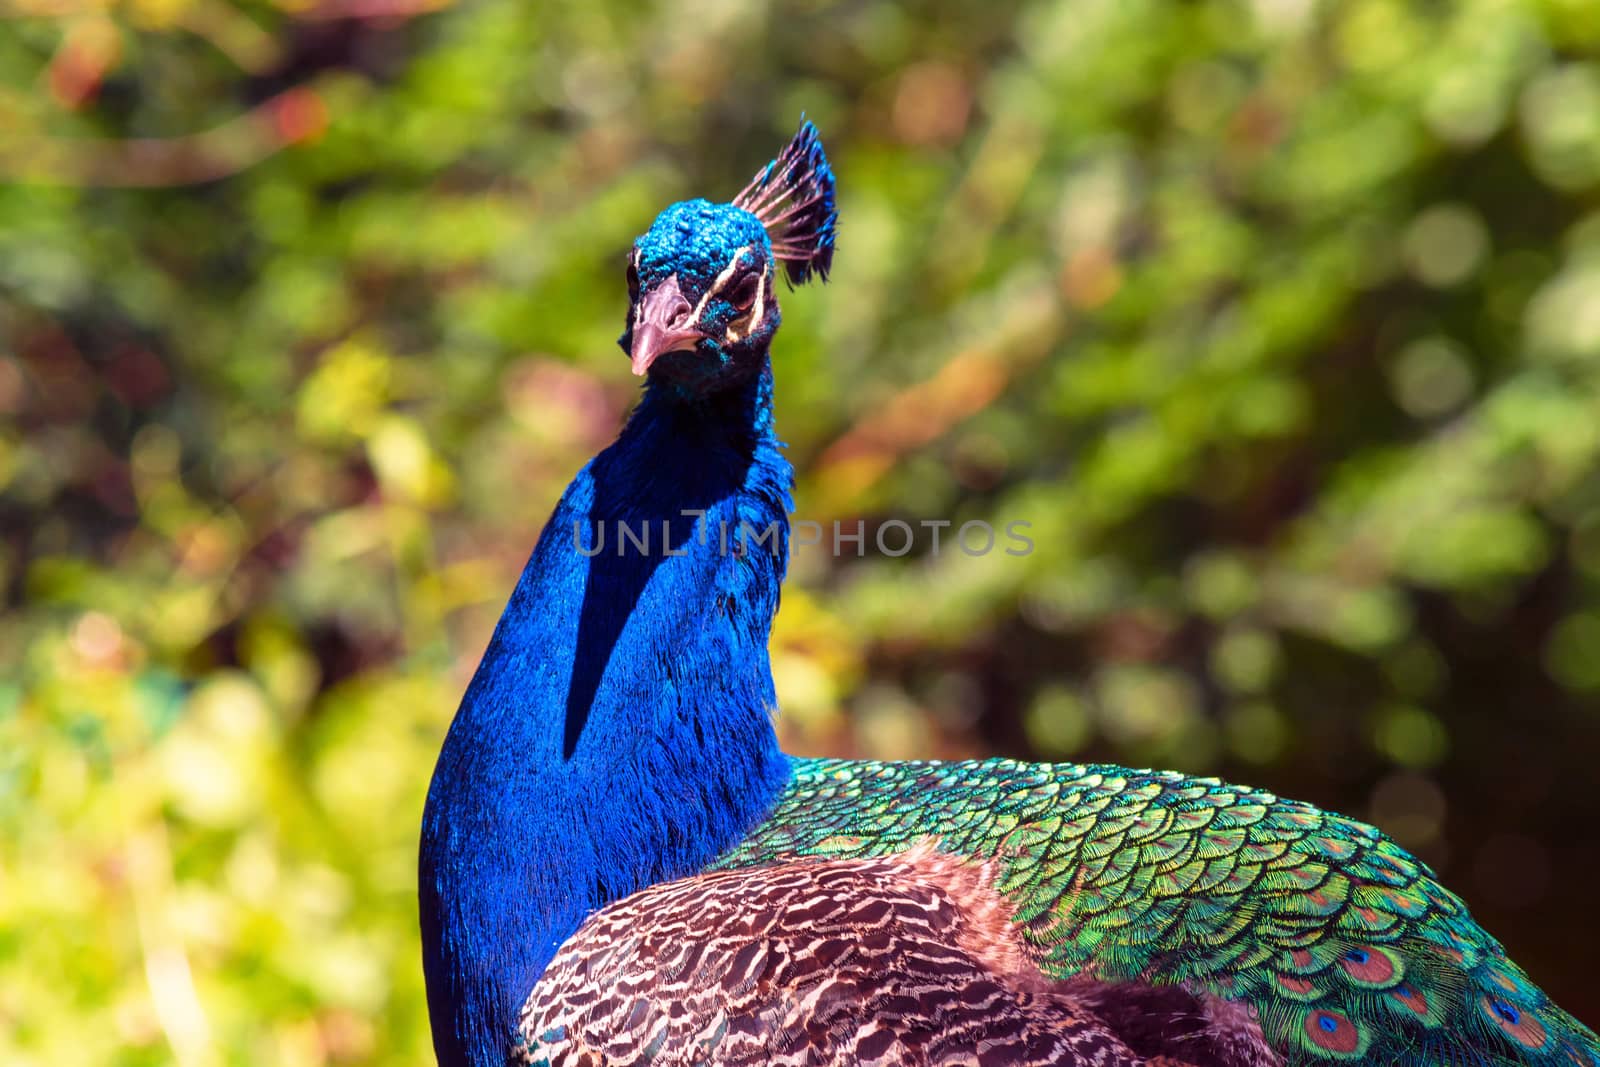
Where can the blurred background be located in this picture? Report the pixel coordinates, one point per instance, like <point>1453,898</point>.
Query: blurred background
<point>1279,320</point>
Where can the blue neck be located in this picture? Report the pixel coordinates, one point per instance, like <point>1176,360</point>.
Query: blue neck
<point>618,732</point>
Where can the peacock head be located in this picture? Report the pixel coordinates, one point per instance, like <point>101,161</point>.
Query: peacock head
<point>702,302</point>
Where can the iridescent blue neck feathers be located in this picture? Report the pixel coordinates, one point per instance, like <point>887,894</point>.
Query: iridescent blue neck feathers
<point>618,731</point>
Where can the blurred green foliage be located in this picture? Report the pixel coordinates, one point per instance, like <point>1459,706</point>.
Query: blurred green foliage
<point>1278,320</point>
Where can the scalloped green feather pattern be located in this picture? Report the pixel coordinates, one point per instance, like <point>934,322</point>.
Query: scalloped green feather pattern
<point>1345,945</point>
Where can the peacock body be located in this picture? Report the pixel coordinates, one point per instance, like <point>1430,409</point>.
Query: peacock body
<point>619,864</point>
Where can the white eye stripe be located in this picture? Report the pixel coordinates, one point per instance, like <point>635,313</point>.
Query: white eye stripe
<point>638,305</point>
<point>722,280</point>
<point>761,300</point>
<point>752,316</point>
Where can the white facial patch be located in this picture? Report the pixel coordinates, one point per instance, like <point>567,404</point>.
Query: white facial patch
<point>754,315</point>
<point>638,305</point>
<point>751,317</point>
<point>722,279</point>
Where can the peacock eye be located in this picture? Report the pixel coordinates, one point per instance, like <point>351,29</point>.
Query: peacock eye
<point>743,293</point>
<point>633,282</point>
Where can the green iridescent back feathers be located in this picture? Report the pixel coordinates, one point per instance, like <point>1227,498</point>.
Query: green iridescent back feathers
<point>1346,946</point>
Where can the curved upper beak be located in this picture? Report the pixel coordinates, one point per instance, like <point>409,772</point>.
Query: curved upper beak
<point>661,325</point>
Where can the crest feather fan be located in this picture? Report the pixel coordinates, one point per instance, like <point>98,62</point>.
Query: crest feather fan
<point>793,198</point>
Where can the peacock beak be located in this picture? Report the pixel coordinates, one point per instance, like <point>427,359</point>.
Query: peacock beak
<point>661,325</point>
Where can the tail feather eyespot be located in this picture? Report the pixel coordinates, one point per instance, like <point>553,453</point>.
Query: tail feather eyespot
<point>1333,1034</point>
<point>1410,997</point>
<point>1418,1004</point>
<point>1372,966</point>
<point>1520,1025</point>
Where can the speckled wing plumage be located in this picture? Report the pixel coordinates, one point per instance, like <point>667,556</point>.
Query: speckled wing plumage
<point>903,960</point>
<point>1343,945</point>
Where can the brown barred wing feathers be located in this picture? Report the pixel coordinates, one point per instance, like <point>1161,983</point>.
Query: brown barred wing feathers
<point>906,959</point>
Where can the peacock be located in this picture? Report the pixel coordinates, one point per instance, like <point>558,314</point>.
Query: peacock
<point>620,865</point>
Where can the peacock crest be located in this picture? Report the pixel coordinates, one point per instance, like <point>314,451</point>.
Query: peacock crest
<point>793,197</point>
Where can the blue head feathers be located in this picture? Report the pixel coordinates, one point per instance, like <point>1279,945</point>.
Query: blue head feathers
<point>702,310</point>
